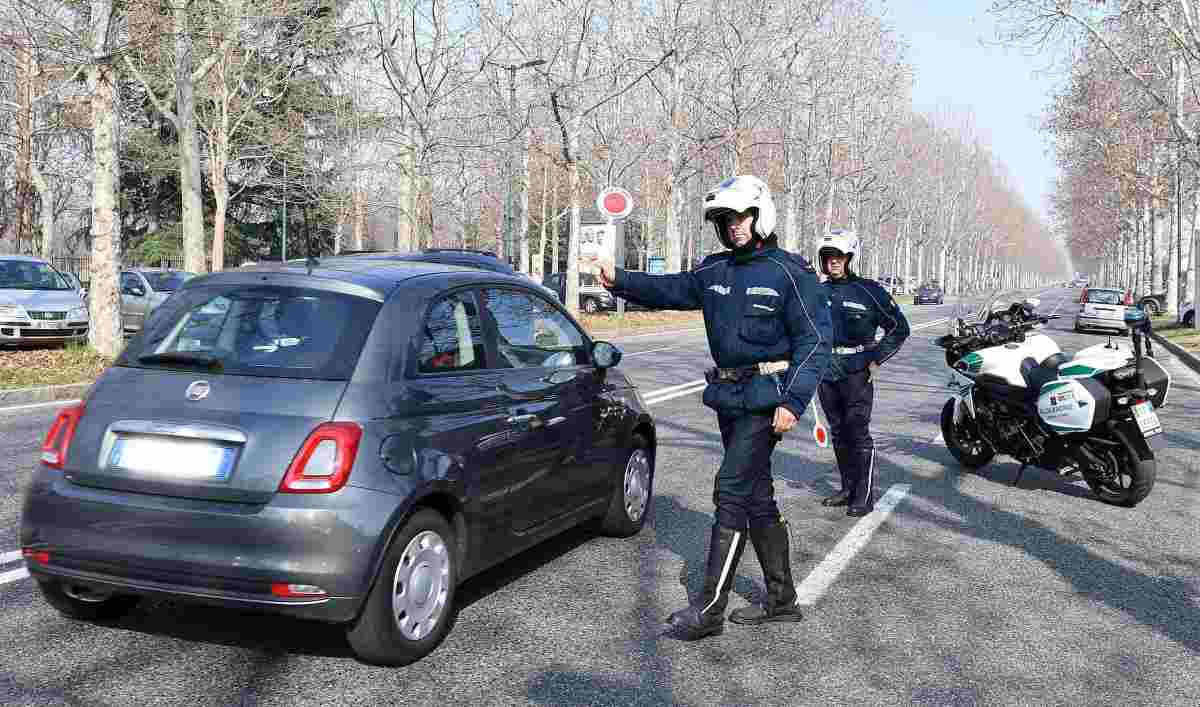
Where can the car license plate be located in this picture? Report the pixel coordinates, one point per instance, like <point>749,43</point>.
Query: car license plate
<point>1147,419</point>
<point>183,460</point>
<point>52,324</point>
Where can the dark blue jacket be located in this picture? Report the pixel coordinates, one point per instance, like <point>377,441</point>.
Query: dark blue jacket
<point>765,306</point>
<point>859,308</point>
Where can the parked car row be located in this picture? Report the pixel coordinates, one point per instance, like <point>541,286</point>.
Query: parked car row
<point>39,304</point>
<point>345,443</point>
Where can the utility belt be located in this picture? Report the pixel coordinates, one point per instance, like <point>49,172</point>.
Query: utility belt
<point>849,350</point>
<point>741,373</point>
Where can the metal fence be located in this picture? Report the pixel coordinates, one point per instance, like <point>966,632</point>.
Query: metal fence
<point>81,265</point>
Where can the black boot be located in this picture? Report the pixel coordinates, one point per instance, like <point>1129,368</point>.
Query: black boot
<point>771,545</point>
<point>841,498</point>
<point>862,499</point>
<point>706,616</point>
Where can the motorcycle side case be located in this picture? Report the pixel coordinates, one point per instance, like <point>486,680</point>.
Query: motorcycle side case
<point>1157,379</point>
<point>1073,404</point>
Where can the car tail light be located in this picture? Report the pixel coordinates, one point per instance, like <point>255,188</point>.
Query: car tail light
<point>1128,298</point>
<point>58,439</point>
<point>324,460</point>
<point>296,591</point>
<point>39,556</point>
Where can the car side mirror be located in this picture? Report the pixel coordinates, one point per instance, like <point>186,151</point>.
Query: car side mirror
<point>605,355</point>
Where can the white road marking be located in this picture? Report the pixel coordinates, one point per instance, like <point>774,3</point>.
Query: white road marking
<point>823,575</point>
<point>39,405</point>
<point>937,438</point>
<point>661,348</point>
<point>658,333</point>
<point>13,575</point>
<point>696,387</point>
<point>8,557</point>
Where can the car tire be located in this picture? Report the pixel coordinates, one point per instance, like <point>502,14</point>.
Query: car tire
<point>416,581</point>
<point>633,487</point>
<point>83,603</point>
<point>591,305</point>
<point>1189,319</point>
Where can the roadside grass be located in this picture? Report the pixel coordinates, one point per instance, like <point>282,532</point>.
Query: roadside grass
<point>32,368</point>
<point>1186,338</point>
<point>609,324</point>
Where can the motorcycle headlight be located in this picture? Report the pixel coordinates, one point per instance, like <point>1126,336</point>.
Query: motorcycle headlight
<point>13,310</point>
<point>78,314</point>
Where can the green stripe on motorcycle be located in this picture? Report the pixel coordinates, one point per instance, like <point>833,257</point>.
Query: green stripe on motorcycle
<point>1055,386</point>
<point>1078,370</point>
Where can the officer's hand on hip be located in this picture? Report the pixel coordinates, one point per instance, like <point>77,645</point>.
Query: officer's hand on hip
<point>784,420</point>
<point>872,371</point>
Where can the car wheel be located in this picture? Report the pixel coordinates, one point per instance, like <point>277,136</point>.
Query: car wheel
<point>632,491</point>
<point>85,603</point>
<point>591,305</point>
<point>409,609</point>
<point>1189,319</point>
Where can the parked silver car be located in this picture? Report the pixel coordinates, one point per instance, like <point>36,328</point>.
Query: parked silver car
<point>143,289</point>
<point>37,304</point>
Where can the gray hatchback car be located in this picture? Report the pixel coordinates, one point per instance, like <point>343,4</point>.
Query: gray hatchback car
<point>345,443</point>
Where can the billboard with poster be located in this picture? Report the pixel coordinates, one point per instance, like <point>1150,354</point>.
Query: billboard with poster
<point>598,240</point>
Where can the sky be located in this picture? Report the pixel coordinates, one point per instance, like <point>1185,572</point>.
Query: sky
<point>956,61</point>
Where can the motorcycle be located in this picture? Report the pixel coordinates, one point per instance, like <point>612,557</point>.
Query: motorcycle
<point>1017,393</point>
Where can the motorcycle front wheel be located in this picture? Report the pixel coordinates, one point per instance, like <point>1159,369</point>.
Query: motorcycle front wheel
<point>1126,480</point>
<point>963,439</point>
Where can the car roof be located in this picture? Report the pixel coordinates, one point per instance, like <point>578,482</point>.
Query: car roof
<point>1107,289</point>
<point>378,275</point>
<point>25,258</point>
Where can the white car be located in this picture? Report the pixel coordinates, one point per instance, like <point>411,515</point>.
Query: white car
<point>37,304</point>
<point>1102,308</point>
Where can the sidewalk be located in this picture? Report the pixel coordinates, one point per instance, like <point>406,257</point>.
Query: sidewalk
<point>1188,359</point>
<point>15,397</point>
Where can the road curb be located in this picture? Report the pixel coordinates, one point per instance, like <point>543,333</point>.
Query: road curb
<point>1188,359</point>
<point>42,394</point>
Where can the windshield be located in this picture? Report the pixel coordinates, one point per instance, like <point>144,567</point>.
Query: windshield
<point>271,331</point>
<point>1104,297</point>
<point>167,281</point>
<point>30,275</point>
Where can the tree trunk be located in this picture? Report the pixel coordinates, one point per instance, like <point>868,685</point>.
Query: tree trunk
<point>540,270</point>
<point>104,331</point>
<point>23,84</point>
<point>523,203</point>
<point>189,147</point>
<point>674,240</point>
<point>573,189</point>
<point>46,215</point>
<point>555,238</point>
<point>405,199</point>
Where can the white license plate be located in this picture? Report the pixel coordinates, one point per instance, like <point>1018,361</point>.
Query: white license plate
<point>1147,419</point>
<point>51,324</point>
<point>175,459</point>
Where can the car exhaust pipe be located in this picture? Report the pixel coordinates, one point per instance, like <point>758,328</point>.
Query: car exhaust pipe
<point>86,594</point>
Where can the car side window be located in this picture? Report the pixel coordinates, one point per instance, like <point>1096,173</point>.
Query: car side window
<point>452,338</point>
<point>532,333</point>
<point>129,280</point>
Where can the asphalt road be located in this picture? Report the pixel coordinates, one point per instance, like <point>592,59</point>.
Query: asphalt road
<point>970,592</point>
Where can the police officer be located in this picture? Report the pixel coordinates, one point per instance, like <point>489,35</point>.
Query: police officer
<point>769,333</point>
<point>858,307</point>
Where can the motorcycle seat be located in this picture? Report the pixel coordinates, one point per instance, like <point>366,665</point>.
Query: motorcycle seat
<point>1036,375</point>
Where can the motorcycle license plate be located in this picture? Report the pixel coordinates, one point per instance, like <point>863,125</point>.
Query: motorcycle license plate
<point>1147,419</point>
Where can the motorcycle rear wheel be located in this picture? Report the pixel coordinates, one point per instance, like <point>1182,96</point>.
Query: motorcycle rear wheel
<point>963,439</point>
<point>1134,478</point>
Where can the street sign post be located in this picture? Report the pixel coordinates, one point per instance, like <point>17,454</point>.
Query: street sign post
<point>614,203</point>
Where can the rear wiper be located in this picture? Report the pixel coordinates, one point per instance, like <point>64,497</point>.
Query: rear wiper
<point>187,358</point>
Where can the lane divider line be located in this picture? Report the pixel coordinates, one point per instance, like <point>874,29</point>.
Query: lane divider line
<point>824,574</point>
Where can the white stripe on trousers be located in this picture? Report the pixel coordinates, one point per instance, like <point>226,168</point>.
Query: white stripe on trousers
<point>737,536</point>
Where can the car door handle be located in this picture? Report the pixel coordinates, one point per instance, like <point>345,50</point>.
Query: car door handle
<point>531,420</point>
<point>516,394</point>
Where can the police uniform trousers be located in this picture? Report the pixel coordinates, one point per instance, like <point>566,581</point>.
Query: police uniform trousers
<point>847,403</point>
<point>743,492</point>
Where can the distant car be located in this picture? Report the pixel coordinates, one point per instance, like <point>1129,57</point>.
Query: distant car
<point>593,297</point>
<point>929,293</point>
<point>38,304</point>
<point>345,444</point>
<point>144,289</point>
<point>1103,308</point>
<point>1153,304</point>
<point>893,284</point>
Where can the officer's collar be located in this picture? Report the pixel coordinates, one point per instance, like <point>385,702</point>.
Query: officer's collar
<point>755,248</point>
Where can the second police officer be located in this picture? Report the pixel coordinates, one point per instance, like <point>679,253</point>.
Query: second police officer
<point>858,306</point>
<point>768,331</point>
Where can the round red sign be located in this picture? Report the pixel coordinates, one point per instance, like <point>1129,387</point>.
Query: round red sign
<point>614,202</point>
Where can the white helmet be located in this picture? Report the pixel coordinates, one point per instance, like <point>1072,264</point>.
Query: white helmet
<point>739,194</point>
<point>839,241</point>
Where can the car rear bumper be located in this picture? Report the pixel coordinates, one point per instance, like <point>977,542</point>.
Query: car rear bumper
<point>227,554</point>
<point>1083,322</point>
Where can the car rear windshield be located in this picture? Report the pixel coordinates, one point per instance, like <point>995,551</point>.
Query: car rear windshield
<point>167,281</point>
<point>269,331</point>
<point>1104,297</point>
